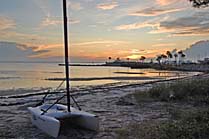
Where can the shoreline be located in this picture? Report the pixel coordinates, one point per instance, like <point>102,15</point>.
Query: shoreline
<point>43,91</point>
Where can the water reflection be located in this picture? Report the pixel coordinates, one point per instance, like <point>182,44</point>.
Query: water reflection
<point>33,75</point>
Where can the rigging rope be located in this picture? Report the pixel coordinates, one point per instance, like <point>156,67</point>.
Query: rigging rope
<point>49,92</point>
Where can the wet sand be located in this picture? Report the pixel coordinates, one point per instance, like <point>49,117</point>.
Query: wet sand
<point>108,102</point>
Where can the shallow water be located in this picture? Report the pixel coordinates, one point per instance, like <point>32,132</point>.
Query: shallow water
<point>34,75</point>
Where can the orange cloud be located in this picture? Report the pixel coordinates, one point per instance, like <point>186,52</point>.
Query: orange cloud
<point>134,56</point>
<point>149,53</point>
<point>104,42</point>
<point>166,2</point>
<point>94,53</point>
<point>49,46</point>
<point>107,6</point>
<point>47,54</point>
<point>163,45</point>
<point>94,49</point>
<point>6,23</point>
<point>135,26</point>
<point>48,51</point>
<point>152,11</point>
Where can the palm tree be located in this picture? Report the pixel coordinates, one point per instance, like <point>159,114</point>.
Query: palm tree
<point>118,59</point>
<point>180,52</point>
<point>159,59</point>
<point>180,56</point>
<point>164,57</point>
<point>151,61</point>
<point>109,58</point>
<point>183,56</point>
<point>169,54</point>
<point>128,59</point>
<point>142,58</point>
<point>176,55</point>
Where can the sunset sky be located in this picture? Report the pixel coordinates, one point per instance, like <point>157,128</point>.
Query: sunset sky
<point>99,28</point>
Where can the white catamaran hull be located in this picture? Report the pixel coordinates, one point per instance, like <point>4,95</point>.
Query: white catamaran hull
<point>51,121</point>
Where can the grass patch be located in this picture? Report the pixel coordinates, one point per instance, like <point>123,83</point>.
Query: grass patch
<point>193,90</point>
<point>192,125</point>
<point>185,122</point>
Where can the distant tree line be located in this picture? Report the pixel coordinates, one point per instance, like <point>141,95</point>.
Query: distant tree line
<point>166,58</point>
<point>162,58</point>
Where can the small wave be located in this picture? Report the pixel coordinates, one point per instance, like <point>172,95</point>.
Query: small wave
<point>129,72</point>
<point>29,71</point>
<point>105,78</point>
<point>56,72</point>
<point>9,78</point>
<point>12,104</point>
<point>30,94</point>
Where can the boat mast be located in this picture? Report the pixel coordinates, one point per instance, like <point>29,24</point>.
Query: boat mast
<point>66,52</point>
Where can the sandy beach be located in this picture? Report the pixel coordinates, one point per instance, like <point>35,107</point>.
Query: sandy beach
<point>109,102</point>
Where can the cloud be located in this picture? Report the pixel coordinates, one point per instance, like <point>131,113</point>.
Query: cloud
<point>46,54</point>
<point>194,25</point>
<point>11,51</point>
<point>166,2</point>
<point>107,6</point>
<point>34,50</point>
<point>74,21</point>
<point>149,53</point>
<point>104,42</point>
<point>153,11</point>
<point>133,53</point>
<point>46,51</point>
<point>48,46</point>
<point>21,37</point>
<point>163,45</point>
<point>6,23</point>
<point>151,23</point>
<point>53,21</point>
<point>75,5</point>
<point>134,26</point>
<point>198,50</point>
<point>49,21</point>
<point>8,31</point>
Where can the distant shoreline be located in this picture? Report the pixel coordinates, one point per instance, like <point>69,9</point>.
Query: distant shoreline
<point>84,64</point>
<point>132,65</point>
<point>139,65</point>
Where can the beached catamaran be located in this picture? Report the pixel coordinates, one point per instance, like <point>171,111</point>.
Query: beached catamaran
<point>50,117</point>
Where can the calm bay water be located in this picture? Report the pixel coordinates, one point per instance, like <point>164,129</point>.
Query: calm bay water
<point>34,75</point>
